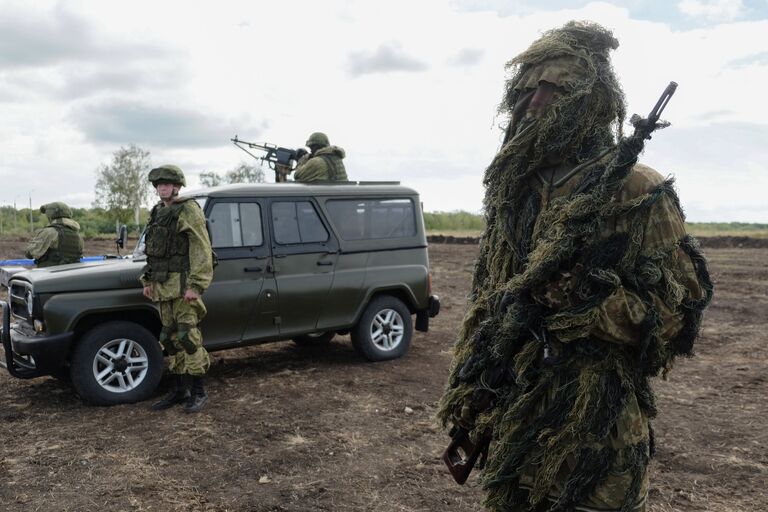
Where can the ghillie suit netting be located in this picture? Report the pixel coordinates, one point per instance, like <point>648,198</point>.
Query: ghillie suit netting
<point>557,422</point>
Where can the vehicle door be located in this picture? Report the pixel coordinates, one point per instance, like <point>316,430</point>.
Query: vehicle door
<point>305,254</point>
<point>242,299</point>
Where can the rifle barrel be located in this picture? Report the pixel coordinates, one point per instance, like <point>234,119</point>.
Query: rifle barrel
<point>662,103</point>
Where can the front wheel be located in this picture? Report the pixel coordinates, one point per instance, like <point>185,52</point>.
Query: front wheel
<point>384,330</point>
<point>116,363</point>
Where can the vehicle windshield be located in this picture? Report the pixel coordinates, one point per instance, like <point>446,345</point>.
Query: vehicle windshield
<point>138,251</point>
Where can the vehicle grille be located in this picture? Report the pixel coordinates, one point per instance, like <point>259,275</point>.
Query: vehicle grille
<point>17,298</point>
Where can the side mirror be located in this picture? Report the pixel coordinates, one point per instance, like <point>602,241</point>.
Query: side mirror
<point>122,237</point>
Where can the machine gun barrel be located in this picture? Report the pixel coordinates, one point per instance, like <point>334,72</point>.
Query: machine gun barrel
<point>281,160</point>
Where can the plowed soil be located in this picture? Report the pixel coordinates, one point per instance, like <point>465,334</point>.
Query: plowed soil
<point>297,429</point>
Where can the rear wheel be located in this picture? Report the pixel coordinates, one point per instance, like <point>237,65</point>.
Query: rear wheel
<point>116,363</point>
<point>314,339</point>
<point>384,330</point>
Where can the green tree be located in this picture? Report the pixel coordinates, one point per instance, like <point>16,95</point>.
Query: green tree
<point>243,173</point>
<point>122,186</point>
<point>210,179</point>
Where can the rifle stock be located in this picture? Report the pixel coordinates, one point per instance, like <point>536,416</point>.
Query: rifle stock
<point>462,454</point>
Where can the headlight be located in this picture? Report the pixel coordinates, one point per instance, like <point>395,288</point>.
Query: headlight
<point>29,298</point>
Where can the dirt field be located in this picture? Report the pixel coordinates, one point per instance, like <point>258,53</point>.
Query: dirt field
<point>291,429</point>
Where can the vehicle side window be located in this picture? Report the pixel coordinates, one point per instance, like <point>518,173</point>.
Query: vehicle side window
<point>366,219</point>
<point>250,221</point>
<point>297,222</point>
<point>235,225</point>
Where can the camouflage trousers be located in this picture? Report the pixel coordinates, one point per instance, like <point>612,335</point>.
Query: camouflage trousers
<point>181,337</point>
<point>631,428</point>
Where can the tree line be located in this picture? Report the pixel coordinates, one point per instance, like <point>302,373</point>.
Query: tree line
<point>124,196</point>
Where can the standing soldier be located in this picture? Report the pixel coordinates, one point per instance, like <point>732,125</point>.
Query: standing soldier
<point>323,163</point>
<point>179,269</point>
<point>586,286</point>
<point>60,241</point>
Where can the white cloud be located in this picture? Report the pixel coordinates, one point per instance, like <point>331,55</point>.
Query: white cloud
<point>717,10</point>
<point>384,59</point>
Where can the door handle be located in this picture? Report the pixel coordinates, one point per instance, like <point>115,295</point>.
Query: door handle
<point>253,269</point>
<point>325,263</point>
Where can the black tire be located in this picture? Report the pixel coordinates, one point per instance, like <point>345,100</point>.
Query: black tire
<point>384,330</point>
<point>315,339</point>
<point>116,363</point>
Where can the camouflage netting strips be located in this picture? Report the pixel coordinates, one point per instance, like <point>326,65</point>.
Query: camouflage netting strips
<point>542,414</point>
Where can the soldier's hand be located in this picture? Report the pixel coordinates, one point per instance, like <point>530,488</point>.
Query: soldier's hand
<point>557,294</point>
<point>147,292</point>
<point>191,295</point>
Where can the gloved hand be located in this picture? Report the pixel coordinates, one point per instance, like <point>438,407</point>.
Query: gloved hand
<point>558,293</point>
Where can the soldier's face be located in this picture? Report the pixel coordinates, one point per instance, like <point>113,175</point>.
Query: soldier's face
<point>167,191</point>
<point>532,103</point>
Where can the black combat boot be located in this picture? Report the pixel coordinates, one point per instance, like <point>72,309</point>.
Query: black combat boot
<point>179,394</point>
<point>198,397</point>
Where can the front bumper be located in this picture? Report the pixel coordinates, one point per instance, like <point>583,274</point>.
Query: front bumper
<point>423,315</point>
<point>26,356</point>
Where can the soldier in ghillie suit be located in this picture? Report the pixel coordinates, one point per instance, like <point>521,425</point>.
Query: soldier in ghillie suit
<point>323,163</point>
<point>179,269</point>
<point>586,286</point>
<point>59,242</point>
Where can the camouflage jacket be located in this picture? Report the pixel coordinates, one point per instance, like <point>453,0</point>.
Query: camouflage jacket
<point>191,223</point>
<point>47,238</point>
<point>570,356</point>
<point>620,316</point>
<point>325,165</point>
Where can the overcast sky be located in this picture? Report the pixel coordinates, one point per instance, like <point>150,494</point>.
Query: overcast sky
<point>408,88</point>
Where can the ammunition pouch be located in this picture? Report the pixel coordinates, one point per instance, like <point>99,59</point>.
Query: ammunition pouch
<point>165,340</point>
<point>167,250</point>
<point>183,334</point>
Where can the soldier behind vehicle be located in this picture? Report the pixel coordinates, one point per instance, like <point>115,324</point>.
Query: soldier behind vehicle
<point>179,269</point>
<point>323,163</point>
<point>59,242</point>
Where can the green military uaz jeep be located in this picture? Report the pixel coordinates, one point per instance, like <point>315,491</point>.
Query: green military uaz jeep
<point>295,261</point>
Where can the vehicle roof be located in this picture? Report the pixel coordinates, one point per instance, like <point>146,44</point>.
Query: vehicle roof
<point>345,188</point>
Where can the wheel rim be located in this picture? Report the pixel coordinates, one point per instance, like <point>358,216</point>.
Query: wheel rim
<point>120,365</point>
<point>387,330</point>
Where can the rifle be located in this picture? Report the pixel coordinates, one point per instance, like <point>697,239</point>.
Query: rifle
<point>280,160</point>
<point>462,454</point>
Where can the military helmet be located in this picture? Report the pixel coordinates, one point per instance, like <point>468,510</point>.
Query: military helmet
<point>318,139</point>
<point>56,210</point>
<point>167,174</point>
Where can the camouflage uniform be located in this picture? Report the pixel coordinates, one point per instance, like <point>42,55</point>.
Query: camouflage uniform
<point>323,164</point>
<point>59,242</point>
<point>179,258</point>
<point>585,287</point>
<point>180,318</point>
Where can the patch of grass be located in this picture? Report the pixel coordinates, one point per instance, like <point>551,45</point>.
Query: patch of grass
<point>727,229</point>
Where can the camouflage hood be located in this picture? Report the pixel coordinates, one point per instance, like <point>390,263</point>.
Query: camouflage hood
<point>65,221</point>
<point>331,150</point>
